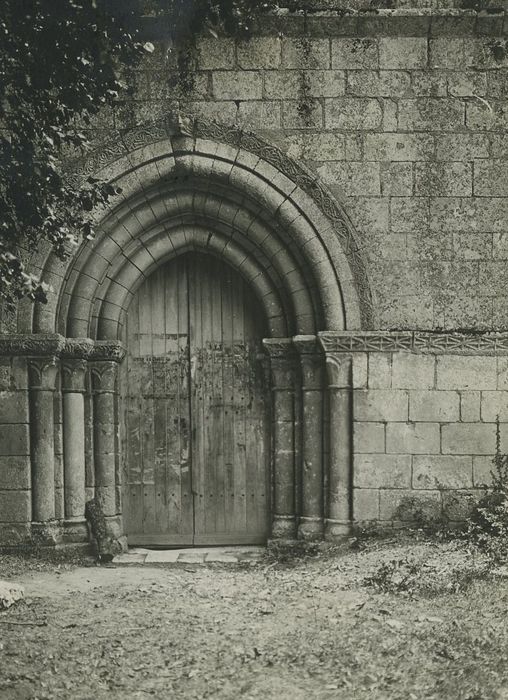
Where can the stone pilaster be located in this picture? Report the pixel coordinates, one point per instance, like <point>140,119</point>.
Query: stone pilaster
<point>282,367</point>
<point>311,361</point>
<point>73,388</point>
<point>42,374</point>
<point>339,387</point>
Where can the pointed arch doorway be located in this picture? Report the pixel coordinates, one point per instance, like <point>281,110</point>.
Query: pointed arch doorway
<point>196,404</point>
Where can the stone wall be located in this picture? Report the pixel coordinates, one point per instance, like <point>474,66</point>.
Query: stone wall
<point>402,115</point>
<point>15,477</point>
<point>425,432</point>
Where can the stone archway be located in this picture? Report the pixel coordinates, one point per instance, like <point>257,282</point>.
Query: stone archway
<point>181,194</point>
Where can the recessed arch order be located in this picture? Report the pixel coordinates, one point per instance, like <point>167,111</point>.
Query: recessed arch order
<point>226,193</point>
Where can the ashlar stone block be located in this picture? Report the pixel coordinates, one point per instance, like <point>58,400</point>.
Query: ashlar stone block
<point>380,370</point>
<point>365,504</point>
<point>403,52</point>
<point>368,437</point>
<point>259,52</point>
<point>409,505</point>
<point>412,438</point>
<point>382,471</point>
<point>442,472</point>
<point>412,371</point>
<point>466,372</point>
<point>350,113</point>
<point>469,438</point>
<point>431,406</point>
<point>380,405</point>
<point>494,404</point>
<point>355,53</point>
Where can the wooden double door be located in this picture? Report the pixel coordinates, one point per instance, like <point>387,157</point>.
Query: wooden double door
<point>196,402</point>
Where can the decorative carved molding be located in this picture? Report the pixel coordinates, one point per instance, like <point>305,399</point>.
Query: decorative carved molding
<point>107,350</point>
<point>55,345</point>
<point>25,345</point>
<point>232,135</point>
<point>73,375</point>
<point>77,348</point>
<point>481,343</point>
<point>42,373</point>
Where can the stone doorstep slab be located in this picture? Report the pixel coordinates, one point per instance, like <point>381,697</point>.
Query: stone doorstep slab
<point>222,555</point>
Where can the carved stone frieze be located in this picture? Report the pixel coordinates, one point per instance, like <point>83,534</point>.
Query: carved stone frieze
<point>482,343</point>
<point>107,350</point>
<point>23,345</point>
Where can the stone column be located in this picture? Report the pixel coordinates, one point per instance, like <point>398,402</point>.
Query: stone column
<point>42,374</point>
<point>339,505</point>
<point>282,367</point>
<point>104,375</point>
<point>311,360</point>
<point>73,388</point>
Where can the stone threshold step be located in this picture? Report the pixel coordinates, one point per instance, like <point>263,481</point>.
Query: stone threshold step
<point>209,555</point>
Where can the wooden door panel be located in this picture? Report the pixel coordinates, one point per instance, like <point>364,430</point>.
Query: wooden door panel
<point>157,461</point>
<point>228,406</point>
<point>196,423</point>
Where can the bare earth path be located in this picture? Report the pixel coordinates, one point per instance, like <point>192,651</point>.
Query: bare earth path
<point>255,631</point>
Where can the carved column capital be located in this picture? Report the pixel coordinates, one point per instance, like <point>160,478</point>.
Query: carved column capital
<point>311,360</point>
<point>282,362</point>
<point>338,370</point>
<point>42,373</point>
<point>104,373</point>
<point>73,376</point>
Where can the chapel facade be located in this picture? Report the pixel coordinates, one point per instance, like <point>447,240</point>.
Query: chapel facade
<point>293,317</point>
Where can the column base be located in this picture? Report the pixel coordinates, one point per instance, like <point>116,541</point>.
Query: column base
<point>310,529</point>
<point>337,529</point>
<point>283,527</point>
<point>74,530</point>
<point>45,534</point>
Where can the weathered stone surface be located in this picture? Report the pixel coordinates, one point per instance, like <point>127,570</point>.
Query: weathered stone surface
<point>443,179</point>
<point>15,472</point>
<point>409,214</point>
<point>468,439</point>
<point>369,83</point>
<point>431,114</point>
<point>365,504</point>
<point>237,85</point>
<point>470,406</point>
<point>382,471</point>
<point>259,52</point>
<point>10,594</point>
<point>403,52</point>
<point>442,406</point>
<point>379,405</point>
<point>455,372</point>
<point>404,147</point>
<point>412,438</point>
<point>14,440</point>
<point>15,506</point>
<point>368,437</point>
<point>442,472</point>
<point>417,506</point>
<point>355,53</point>
<point>306,53</point>
<point>380,370</point>
<point>412,371</point>
<point>351,113</point>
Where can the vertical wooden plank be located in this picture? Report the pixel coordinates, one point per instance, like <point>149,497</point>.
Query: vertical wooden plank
<point>237,301</point>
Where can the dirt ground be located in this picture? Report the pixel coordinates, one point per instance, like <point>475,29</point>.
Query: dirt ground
<point>432,626</point>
